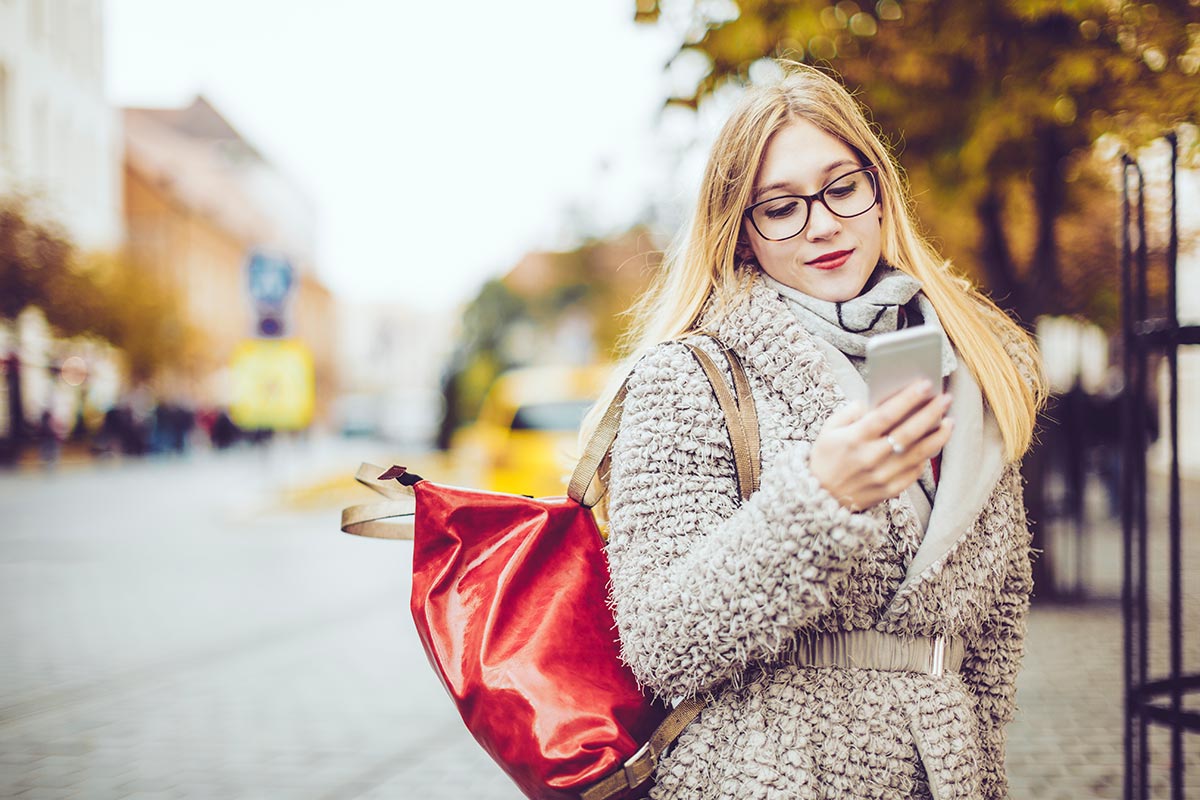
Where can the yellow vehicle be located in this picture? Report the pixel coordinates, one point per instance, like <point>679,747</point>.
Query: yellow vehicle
<point>525,440</point>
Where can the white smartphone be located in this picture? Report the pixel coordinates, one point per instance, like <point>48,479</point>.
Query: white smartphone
<point>896,360</point>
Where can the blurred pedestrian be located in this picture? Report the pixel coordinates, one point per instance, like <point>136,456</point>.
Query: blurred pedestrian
<point>1106,437</point>
<point>224,432</point>
<point>857,624</point>
<point>49,439</point>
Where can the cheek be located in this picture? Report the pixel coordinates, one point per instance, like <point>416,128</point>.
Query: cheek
<point>755,246</point>
<point>755,249</point>
<point>772,256</point>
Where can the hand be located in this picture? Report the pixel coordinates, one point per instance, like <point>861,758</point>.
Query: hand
<point>854,460</point>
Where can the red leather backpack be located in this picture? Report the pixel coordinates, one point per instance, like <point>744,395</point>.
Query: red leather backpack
<point>509,597</point>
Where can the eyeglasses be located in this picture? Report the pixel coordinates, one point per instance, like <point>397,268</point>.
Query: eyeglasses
<point>786,216</point>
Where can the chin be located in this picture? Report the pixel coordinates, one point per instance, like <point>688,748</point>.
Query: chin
<point>839,291</point>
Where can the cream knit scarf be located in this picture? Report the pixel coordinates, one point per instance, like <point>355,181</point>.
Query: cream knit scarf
<point>889,301</point>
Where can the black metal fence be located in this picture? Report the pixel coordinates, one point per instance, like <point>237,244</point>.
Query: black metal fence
<point>1155,698</point>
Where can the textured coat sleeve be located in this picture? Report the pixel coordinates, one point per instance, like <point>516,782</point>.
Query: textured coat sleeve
<point>992,662</point>
<point>702,584</point>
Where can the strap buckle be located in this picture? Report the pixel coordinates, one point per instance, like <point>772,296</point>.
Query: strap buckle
<point>641,765</point>
<point>937,656</point>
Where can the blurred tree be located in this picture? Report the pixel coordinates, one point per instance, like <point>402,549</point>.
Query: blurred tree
<point>97,295</point>
<point>478,355</point>
<point>511,320</point>
<point>998,105</point>
<point>139,314</point>
<point>34,263</point>
<point>34,268</point>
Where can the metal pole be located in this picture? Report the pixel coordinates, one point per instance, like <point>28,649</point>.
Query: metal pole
<point>1175,545</point>
<point>1127,499</point>
<point>1138,466</point>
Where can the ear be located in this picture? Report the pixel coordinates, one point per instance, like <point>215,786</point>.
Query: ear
<point>743,253</point>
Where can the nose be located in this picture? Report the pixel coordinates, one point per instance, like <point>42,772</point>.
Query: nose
<point>822,223</point>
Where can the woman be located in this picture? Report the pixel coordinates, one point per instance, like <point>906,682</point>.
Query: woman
<point>857,624</point>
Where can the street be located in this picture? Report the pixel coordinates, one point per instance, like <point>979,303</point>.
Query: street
<point>173,632</point>
<point>181,629</point>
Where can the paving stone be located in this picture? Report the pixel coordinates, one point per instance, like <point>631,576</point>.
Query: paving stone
<point>215,645</point>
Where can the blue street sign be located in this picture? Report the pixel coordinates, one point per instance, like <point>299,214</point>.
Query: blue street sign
<point>270,279</point>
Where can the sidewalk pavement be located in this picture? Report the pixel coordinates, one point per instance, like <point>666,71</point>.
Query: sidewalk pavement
<point>201,629</point>
<point>1067,739</point>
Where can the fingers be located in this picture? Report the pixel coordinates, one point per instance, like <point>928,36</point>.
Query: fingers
<point>921,422</point>
<point>895,409</point>
<point>932,443</point>
<point>894,473</point>
<point>853,460</point>
<point>846,415</point>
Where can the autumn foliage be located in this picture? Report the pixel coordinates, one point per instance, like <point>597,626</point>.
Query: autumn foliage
<point>81,294</point>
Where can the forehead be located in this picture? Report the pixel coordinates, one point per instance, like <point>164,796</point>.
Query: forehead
<point>803,157</point>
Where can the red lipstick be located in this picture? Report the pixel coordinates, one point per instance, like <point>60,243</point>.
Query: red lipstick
<point>831,260</point>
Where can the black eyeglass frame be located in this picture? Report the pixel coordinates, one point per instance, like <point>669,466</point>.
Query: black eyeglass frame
<point>809,199</point>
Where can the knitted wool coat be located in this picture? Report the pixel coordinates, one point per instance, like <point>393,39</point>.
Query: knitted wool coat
<point>711,593</point>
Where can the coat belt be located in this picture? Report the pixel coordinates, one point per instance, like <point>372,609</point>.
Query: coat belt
<point>872,649</point>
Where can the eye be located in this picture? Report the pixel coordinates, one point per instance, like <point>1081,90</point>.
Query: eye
<point>844,188</point>
<point>781,210</point>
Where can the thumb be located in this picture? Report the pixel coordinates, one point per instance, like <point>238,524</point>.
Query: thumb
<point>848,414</point>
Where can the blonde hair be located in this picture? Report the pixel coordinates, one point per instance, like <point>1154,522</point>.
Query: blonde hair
<point>711,265</point>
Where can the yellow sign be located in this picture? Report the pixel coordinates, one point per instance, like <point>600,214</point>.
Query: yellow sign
<point>273,384</point>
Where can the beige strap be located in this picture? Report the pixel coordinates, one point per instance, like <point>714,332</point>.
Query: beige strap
<point>597,448</point>
<point>641,765</point>
<point>745,453</point>
<point>747,412</point>
<point>741,419</point>
<point>367,519</point>
<point>368,475</point>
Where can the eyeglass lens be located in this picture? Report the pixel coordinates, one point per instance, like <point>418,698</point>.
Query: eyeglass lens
<point>784,217</point>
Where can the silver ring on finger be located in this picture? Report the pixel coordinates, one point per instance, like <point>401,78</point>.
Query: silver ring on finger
<point>897,448</point>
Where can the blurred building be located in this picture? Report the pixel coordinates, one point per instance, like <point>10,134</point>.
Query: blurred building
<point>60,151</point>
<point>199,200</point>
<point>59,139</point>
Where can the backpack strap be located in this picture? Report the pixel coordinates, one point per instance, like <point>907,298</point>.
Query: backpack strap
<point>741,416</point>
<point>597,448</point>
<point>641,765</point>
<point>741,420</point>
<point>367,519</point>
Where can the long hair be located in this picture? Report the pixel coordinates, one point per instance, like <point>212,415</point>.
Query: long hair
<point>710,265</point>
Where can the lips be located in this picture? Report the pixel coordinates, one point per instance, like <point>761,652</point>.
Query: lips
<point>830,260</point>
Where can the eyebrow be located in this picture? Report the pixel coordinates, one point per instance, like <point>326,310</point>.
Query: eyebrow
<point>759,192</point>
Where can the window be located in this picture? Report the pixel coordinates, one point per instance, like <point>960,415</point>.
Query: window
<point>37,20</point>
<point>5,116</point>
<point>560,415</point>
<point>40,118</point>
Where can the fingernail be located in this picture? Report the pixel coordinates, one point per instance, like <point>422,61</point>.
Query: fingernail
<point>947,398</point>
<point>924,387</point>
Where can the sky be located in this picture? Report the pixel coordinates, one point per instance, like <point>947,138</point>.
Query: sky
<point>438,140</point>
